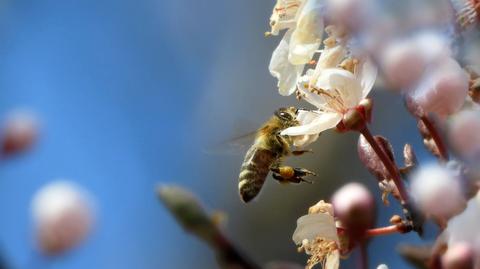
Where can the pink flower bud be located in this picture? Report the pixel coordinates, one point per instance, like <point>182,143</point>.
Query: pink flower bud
<point>464,134</point>
<point>20,130</point>
<point>349,13</point>
<point>437,191</point>
<point>402,64</point>
<point>459,256</point>
<point>405,61</point>
<point>354,206</point>
<point>443,88</point>
<point>63,216</point>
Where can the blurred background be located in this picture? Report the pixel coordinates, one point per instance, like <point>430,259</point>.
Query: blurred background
<point>130,94</point>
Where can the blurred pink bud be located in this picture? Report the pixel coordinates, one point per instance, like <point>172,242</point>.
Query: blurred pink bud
<point>438,191</point>
<point>402,64</point>
<point>63,216</point>
<point>464,134</point>
<point>443,88</point>
<point>349,13</point>
<point>20,130</point>
<point>354,206</point>
<point>459,256</point>
<point>404,61</point>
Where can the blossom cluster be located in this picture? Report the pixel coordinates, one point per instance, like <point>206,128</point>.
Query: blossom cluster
<point>331,55</point>
<point>332,58</point>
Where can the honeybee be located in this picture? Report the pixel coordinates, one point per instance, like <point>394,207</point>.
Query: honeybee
<point>266,154</point>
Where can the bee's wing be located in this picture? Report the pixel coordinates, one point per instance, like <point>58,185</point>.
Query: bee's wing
<point>234,146</point>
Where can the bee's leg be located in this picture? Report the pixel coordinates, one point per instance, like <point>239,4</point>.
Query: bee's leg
<point>289,174</point>
<point>301,152</point>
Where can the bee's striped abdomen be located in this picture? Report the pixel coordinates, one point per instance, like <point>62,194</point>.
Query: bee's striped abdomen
<point>254,171</point>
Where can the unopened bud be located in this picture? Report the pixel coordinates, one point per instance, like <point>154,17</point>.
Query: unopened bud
<point>431,184</point>
<point>464,134</point>
<point>354,206</point>
<point>20,130</point>
<point>459,256</point>
<point>443,89</point>
<point>188,211</point>
<point>63,216</point>
<point>395,219</point>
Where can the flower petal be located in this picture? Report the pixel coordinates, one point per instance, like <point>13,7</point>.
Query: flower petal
<point>331,57</point>
<point>283,15</point>
<point>307,36</point>
<point>343,81</point>
<point>305,117</point>
<point>286,73</point>
<point>323,121</point>
<point>304,140</point>
<point>333,260</point>
<point>312,226</point>
<point>367,75</point>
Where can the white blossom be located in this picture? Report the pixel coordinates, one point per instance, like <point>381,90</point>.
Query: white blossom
<point>316,233</point>
<point>304,23</point>
<point>335,92</point>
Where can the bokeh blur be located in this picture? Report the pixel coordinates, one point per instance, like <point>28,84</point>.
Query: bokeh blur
<point>130,94</point>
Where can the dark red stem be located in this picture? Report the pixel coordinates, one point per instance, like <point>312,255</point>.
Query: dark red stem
<point>436,137</point>
<point>230,255</point>
<point>363,264</point>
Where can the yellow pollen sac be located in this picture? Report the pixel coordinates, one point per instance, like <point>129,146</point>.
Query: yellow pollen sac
<point>349,64</point>
<point>319,250</point>
<point>287,172</point>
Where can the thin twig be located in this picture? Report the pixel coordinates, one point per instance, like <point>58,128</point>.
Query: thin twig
<point>392,229</point>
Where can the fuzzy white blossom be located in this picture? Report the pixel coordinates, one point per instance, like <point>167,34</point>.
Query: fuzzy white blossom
<point>431,185</point>
<point>404,61</point>
<point>463,229</point>
<point>442,89</point>
<point>316,233</point>
<point>63,215</point>
<point>464,134</point>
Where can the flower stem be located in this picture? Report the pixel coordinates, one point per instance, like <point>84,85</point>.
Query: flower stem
<point>382,231</point>
<point>229,256</point>
<point>436,137</point>
<point>363,264</point>
<point>387,162</point>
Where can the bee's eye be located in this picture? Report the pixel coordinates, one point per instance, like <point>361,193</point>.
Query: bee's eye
<point>285,115</point>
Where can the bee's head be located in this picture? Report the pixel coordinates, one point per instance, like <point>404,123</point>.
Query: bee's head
<point>287,115</point>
